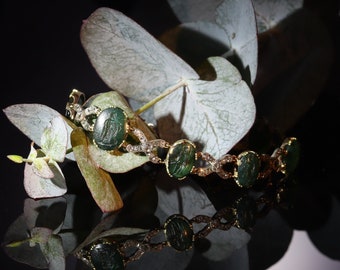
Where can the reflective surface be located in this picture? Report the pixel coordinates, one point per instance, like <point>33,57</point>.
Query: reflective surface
<point>44,60</point>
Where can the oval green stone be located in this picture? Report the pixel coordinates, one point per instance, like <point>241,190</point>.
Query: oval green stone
<point>105,256</point>
<point>109,130</point>
<point>291,159</point>
<point>248,167</point>
<point>179,232</point>
<point>180,159</point>
<point>245,212</point>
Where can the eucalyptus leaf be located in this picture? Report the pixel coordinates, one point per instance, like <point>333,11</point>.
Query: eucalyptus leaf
<point>40,168</point>
<point>51,246</point>
<point>110,99</point>
<point>271,12</point>
<point>54,252</point>
<point>128,58</point>
<point>54,139</point>
<point>40,235</point>
<point>213,114</point>
<point>116,163</point>
<point>33,119</point>
<point>23,253</point>
<point>39,164</point>
<point>98,181</point>
<point>220,23</point>
<point>38,187</point>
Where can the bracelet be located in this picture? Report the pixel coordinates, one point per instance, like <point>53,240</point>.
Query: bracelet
<point>110,127</point>
<point>109,130</point>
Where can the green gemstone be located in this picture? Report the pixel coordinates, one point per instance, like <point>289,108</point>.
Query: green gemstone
<point>248,166</point>
<point>105,256</point>
<point>109,130</point>
<point>180,159</point>
<point>291,158</point>
<point>179,232</point>
<point>245,212</point>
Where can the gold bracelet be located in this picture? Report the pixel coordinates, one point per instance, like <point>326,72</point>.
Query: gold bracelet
<point>110,127</point>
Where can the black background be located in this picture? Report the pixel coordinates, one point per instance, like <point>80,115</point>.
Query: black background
<point>42,60</point>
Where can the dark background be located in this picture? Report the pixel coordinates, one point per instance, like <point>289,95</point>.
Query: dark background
<point>42,61</point>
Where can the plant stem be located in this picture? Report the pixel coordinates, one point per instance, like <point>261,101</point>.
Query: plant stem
<point>17,243</point>
<point>168,91</point>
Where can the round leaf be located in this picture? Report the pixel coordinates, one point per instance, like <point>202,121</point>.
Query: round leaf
<point>38,187</point>
<point>215,114</point>
<point>220,21</point>
<point>54,139</point>
<point>128,58</point>
<point>32,119</point>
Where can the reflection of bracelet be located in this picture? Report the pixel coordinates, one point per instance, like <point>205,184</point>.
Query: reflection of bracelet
<point>110,128</point>
<point>178,234</point>
<point>115,251</point>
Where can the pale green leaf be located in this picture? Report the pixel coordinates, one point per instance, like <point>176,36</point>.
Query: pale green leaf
<point>33,154</point>
<point>98,181</point>
<point>15,158</point>
<point>40,235</point>
<point>41,168</point>
<point>116,163</point>
<point>38,187</point>
<point>36,159</point>
<point>32,119</point>
<point>227,23</point>
<point>128,58</point>
<point>271,12</point>
<point>54,139</point>
<point>213,114</point>
<point>51,246</point>
<point>54,253</point>
<point>110,99</point>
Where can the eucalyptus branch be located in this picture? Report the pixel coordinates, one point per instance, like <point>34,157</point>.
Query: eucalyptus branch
<point>167,92</point>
